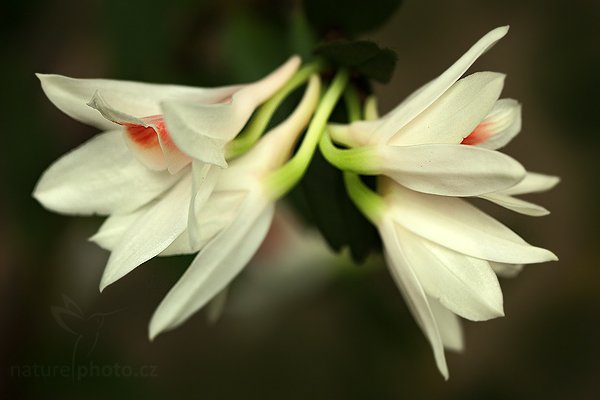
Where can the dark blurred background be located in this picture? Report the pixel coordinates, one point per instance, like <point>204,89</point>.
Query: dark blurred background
<point>347,334</point>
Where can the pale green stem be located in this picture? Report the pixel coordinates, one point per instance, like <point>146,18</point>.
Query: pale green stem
<point>352,104</point>
<point>250,135</point>
<point>369,202</point>
<point>362,160</point>
<point>281,181</point>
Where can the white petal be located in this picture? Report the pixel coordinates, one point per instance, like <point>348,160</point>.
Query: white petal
<point>465,285</point>
<point>100,177</point>
<point>426,95</point>
<point>412,291</point>
<point>355,134</point>
<point>216,265</point>
<point>151,233</point>
<point>204,179</point>
<point>506,270</point>
<point>449,325</point>
<point>533,183</point>
<point>150,153</point>
<point>499,127</point>
<point>114,227</point>
<point>454,223</point>
<point>517,205</point>
<point>450,169</point>
<point>202,131</point>
<point>146,137</point>
<point>218,212</point>
<point>140,99</point>
<point>455,114</point>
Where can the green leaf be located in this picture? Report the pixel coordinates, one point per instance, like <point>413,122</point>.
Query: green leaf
<point>362,56</point>
<point>350,17</point>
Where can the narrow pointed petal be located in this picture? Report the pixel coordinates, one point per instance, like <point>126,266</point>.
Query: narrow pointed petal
<point>72,95</point>
<point>151,233</point>
<point>465,285</point>
<point>427,94</point>
<point>506,270</point>
<point>216,265</point>
<point>450,169</point>
<point>517,205</point>
<point>219,211</point>
<point>114,227</point>
<point>100,177</point>
<point>457,225</point>
<point>204,179</point>
<point>412,291</point>
<point>499,127</point>
<point>204,130</point>
<point>533,183</point>
<point>455,114</point>
<point>449,325</point>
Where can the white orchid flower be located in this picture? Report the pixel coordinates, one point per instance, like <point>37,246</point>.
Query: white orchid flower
<point>243,210</point>
<point>157,119</point>
<point>135,172</point>
<point>438,145</point>
<point>443,254</point>
<point>418,143</point>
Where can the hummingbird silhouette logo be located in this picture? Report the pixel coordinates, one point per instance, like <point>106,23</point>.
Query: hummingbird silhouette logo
<point>85,327</point>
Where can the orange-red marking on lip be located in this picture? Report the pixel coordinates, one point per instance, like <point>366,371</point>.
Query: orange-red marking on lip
<point>479,135</point>
<point>148,136</point>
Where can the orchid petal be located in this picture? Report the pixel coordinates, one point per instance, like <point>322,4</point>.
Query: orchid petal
<point>151,233</point>
<point>506,270</point>
<point>404,275</point>
<point>356,134</point>
<point>533,183</point>
<point>204,179</point>
<point>455,114</point>
<point>219,211</point>
<point>465,285</point>
<point>449,325</point>
<point>425,96</point>
<point>499,127</point>
<point>114,227</point>
<point>146,137</point>
<point>140,99</point>
<point>100,177</point>
<point>204,130</point>
<point>517,205</point>
<point>457,225</point>
<point>216,265</point>
<point>450,169</point>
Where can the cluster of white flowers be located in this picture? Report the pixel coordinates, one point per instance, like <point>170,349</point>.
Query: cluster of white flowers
<point>183,170</point>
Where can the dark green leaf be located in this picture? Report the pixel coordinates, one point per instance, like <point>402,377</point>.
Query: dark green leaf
<point>321,196</point>
<point>362,56</point>
<point>350,17</point>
